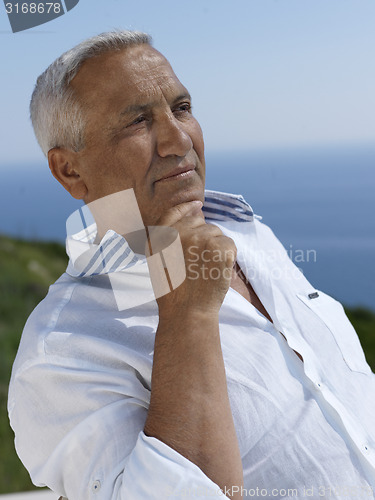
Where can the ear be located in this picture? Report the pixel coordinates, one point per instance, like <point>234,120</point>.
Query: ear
<point>63,164</point>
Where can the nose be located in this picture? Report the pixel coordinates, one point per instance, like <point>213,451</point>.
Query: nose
<point>172,138</point>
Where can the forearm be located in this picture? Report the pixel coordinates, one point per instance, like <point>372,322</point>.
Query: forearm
<point>189,407</point>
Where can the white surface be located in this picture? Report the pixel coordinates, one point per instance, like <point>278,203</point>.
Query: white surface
<point>31,495</point>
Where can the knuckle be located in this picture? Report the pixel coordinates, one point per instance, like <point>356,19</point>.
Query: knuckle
<point>213,230</point>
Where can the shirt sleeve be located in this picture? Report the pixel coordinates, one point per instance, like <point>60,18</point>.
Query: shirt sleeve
<point>156,461</point>
<point>79,431</point>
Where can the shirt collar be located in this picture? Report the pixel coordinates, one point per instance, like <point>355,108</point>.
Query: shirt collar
<point>113,253</point>
<point>220,206</point>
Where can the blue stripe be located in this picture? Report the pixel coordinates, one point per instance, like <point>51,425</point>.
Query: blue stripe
<point>242,205</point>
<point>109,255</point>
<point>121,258</point>
<point>83,220</point>
<point>133,261</point>
<point>92,260</point>
<point>115,249</point>
<point>101,250</point>
<point>98,252</point>
<point>114,268</point>
<point>225,214</point>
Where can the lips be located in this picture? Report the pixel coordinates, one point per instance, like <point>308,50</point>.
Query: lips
<point>177,173</point>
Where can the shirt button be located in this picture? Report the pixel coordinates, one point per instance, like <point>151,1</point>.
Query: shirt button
<point>318,386</point>
<point>96,486</point>
<point>366,448</point>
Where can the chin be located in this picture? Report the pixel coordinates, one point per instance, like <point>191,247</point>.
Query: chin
<point>172,197</point>
<point>187,194</point>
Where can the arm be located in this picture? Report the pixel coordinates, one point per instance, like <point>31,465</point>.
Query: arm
<point>189,407</point>
<point>79,407</point>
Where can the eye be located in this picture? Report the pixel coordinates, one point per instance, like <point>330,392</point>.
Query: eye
<point>184,107</point>
<point>138,120</point>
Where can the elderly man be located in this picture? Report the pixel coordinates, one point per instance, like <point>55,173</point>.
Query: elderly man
<point>243,380</point>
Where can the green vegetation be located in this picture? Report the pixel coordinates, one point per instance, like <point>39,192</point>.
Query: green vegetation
<point>363,321</point>
<point>26,270</point>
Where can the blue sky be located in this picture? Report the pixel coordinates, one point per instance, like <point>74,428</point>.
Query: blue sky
<point>262,73</point>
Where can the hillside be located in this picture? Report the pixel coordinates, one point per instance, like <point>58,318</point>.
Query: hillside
<point>26,270</point>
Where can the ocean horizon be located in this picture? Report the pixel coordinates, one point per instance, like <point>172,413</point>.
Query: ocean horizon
<point>319,202</point>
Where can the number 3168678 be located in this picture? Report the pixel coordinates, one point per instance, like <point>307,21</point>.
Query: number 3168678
<point>33,8</point>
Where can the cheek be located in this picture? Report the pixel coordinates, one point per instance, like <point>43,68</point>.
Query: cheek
<point>196,135</point>
<point>133,155</point>
<point>107,174</point>
<point>126,164</point>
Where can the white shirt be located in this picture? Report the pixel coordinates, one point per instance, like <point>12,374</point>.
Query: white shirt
<point>80,386</point>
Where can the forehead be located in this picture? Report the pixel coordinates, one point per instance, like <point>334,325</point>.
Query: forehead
<point>130,75</point>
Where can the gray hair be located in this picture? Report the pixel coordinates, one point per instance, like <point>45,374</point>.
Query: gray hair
<point>56,114</point>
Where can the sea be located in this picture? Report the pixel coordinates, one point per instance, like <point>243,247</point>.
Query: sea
<point>319,201</point>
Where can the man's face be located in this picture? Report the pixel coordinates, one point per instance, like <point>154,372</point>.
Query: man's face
<point>140,130</point>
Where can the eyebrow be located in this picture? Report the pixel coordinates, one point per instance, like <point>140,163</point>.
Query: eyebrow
<point>139,108</point>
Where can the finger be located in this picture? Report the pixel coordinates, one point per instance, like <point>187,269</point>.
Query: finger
<point>178,212</point>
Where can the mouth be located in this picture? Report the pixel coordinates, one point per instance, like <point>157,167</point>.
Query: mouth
<point>177,174</point>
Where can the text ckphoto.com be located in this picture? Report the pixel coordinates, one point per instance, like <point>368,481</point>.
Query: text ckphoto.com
<point>344,491</point>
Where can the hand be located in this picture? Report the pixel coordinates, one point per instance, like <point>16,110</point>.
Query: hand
<point>209,259</point>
